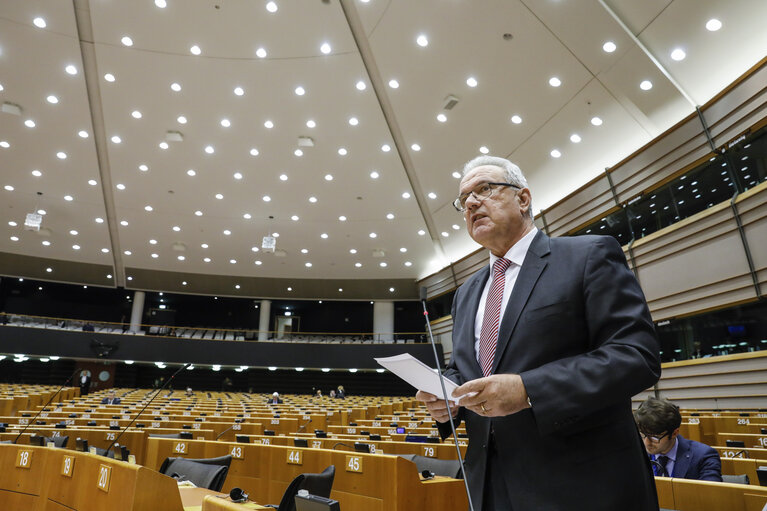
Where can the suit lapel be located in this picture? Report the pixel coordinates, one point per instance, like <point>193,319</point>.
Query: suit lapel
<point>683,455</point>
<point>531,270</point>
<point>473,295</point>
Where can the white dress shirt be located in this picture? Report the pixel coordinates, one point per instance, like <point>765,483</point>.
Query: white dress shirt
<point>516,255</point>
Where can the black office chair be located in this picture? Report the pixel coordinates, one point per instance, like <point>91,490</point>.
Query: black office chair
<point>316,484</point>
<point>439,467</point>
<point>203,472</point>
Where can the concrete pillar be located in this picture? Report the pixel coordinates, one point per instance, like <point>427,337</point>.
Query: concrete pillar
<point>263,320</point>
<point>138,311</point>
<point>383,320</point>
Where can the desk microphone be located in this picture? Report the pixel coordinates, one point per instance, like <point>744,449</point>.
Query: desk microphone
<point>302,427</point>
<point>145,406</point>
<point>422,293</point>
<point>46,405</point>
<point>236,421</point>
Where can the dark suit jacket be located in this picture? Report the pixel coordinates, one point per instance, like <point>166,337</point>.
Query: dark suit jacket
<point>115,401</point>
<point>578,331</point>
<point>271,402</point>
<point>695,460</point>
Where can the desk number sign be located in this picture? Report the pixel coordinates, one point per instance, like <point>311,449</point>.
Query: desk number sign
<point>24,458</point>
<point>105,475</point>
<point>68,466</point>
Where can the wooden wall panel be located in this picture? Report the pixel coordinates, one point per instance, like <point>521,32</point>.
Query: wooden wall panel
<point>733,112</point>
<point>589,202</point>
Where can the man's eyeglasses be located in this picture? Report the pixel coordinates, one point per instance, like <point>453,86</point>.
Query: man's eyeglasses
<point>654,438</point>
<point>480,192</point>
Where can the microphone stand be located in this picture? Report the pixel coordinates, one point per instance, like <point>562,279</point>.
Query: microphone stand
<point>45,405</point>
<point>145,407</point>
<point>444,394</point>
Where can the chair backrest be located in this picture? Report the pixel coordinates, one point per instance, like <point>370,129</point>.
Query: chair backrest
<point>61,441</point>
<point>738,479</point>
<point>220,460</point>
<point>202,475</point>
<point>317,484</point>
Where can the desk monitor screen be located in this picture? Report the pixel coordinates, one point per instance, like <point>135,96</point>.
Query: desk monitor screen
<point>735,443</point>
<point>320,434</point>
<point>761,473</point>
<point>416,438</point>
<point>362,447</point>
<point>242,439</point>
<point>400,430</point>
<point>300,442</point>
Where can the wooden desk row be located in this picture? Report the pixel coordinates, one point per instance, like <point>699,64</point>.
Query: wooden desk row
<point>691,495</point>
<point>362,481</point>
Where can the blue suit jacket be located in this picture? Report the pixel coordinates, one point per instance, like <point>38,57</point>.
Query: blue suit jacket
<point>695,460</point>
<point>578,331</point>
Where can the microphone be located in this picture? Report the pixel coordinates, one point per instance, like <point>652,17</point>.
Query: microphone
<point>46,405</point>
<point>422,296</point>
<point>302,427</point>
<point>660,468</point>
<point>145,406</point>
<point>227,429</point>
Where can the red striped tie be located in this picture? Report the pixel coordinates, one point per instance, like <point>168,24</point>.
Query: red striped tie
<point>488,337</point>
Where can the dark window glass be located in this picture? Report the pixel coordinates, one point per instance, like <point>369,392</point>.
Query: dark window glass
<point>614,225</point>
<point>749,159</point>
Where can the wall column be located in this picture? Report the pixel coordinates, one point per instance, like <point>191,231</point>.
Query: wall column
<point>383,320</point>
<point>138,311</point>
<point>263,320</point>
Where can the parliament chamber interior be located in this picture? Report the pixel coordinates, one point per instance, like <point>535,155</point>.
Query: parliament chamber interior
<point>217,215</point>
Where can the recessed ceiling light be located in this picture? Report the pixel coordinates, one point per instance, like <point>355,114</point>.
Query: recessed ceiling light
<point>325,48</point>
<point>352,250</point>
<point>148,208</point>
<point>342,218</point>
<point>645,85</point>
<point>12,223</point>
<point>456,227</point>
<point>105,250</point>
<point>116,139</point>
<point>383,264</point>
<point>127,41</point>
<point>61,155</point>
<point>415,147</point>
<point>575,138</point>
<point>14,238</point>
<point>75,247</point>
<point>163,145</point>
<point>70,69</point>
<point>310,124</point>
<point>445,234</point>
<point>328,177</point>
<point>195,50</point>
<point>239,91</point>
<point>294,218</point>
<point>99,220</point>
<point>596,121</point>
<point>457,175</point>
<point>191,173</point>
<point>405,195</point>
<point>555,153</point>
<point>41,212</point>
<point>609,47</point>
<point>204,245</point>
<point>39,22</point>
<point>261,53</point>
<point>176,228</point>
<point>361,85</point>
<point>432,195</point>
<point>143,167</point>
<point>324,235</point>
<point>225,123</point>
<point>308,265</point>
<point>8,188</point>
<point>283,177</point>
<point>353,121</point>
<point>713,25</point>
<point>394,84</point>
<point>109,77</point>
<point>257,262</point>
<point>300,91</point>
<point>471,81</point>
<point>51,99</point>
<point>181,119</point>
<point>82,134</point>
<point>441,117</point>
<point>206,259</point>
<point>358,265</point>
<point>160,3</point>
<point>298,152</point>
<point>271,6</point>
<point>374,175</point>
<point>68,198</point>
<point>182,258</point>
<point>421,232</point>
<point>554,81</point>
<point>314,199</point>
<point>342,151</point>
<point>247,216</point>
<point>136,114</point>
<point>678,54</point>
<point>390,216</point>
<point>124,223</point>
<point>408,263</point>
<point>155,256</point>
<point>422,41</point>
<point>373,235</point>
<point>304,251</point>
<point>209,149</point>
<point>254,151</point>
<point>175,87</point>
<point>232,261</point>
<point>29,123</point>
<point>227,232</point>
<point>73,232</point>
<point>516,119</point>
<point>219,196</point>
<point>269,125</point>
<point>484,150</point>
<point>385,148</point>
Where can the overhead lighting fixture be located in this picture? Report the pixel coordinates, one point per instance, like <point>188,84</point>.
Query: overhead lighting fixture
<point>596,121</point>
<point>516,119</point>
<point>678,54</point>
<point>39,22</point>
<point>261,53</point>
<point>127,41</point>
<point>609,47</point>
<point>325,48</point>
<point>471,81</point>
<point>713,25</point>
<point>422,41</point>
<point>554,81</point>
<point>645,85</point>
<point>271,7</point>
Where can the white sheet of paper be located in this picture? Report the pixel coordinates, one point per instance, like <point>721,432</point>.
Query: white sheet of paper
<point>418,374</point>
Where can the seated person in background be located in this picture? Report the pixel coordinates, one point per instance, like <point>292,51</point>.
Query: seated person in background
<point>340,393</point>
<point>318,394</point>
<point>275,399</point>
<point>111,399</point>
<point>672,454</point>
<point>189,392</point>
<point>332,393</point>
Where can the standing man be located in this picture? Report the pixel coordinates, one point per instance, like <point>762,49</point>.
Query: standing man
<point>672,454</point>
<point>550,341</point>
<point>85,382</point>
